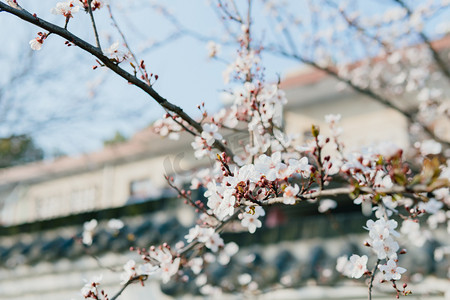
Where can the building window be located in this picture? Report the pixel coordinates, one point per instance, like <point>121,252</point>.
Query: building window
<point>143,190</point>
<point>84,199</point>
<point>49,207</point>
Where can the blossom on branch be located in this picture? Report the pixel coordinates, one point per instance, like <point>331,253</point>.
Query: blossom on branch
<point>67,9</point>
<point>391,271</point>
<point>36,43</point>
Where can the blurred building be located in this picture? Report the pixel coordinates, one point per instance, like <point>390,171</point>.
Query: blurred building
<point>43,206</point>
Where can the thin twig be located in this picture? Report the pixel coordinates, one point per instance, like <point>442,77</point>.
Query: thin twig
<point>130,281</point>
<point>97,40</point>
<point>365,91</point>
<point>372,277</point>
<point>437,58</point>
<point>124,39</point>
<point>420,188</point>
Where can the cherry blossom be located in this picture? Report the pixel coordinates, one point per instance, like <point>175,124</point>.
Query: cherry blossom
<point>88,232</point>
<point>430,147</point>
<point>290,192</point>
<point>386,248</point>
<point>168,269</point>
<point>359,265</point>
<point>391,271</point>
<point>273,167</point>
<point>90,289</point>
<point>67,9</point>
<point>326,205</point>
<point>115,224</point>
<point>269,166</point>
<point>210,133</point>
<point>168,127</point>
<point>205,235</point>
<point>130,271</point>
<point>250,218</point>
<point>355,267</point>
<point>36,43</point>
<point>213,49</point>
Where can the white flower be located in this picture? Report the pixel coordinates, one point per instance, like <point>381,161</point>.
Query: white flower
<point>391,271</point>
<point>430,147</point>
<point>161,255</point>
<point>289,194</point>
<point>229,250</point>
<point>199,146</point>
<point>326,205</point>
<point>87,238</point>
<point>112,49</point>
<point>213,48</point>
<point>330,119</point>
<point>226,207</point>
<point>147,269</point>
<point>299,166</point>
<point>244,279</point>
<point>115,224</point>
<point>358,265</point>
<point>343,266</point>
<point>208,236</point>
<point>89,289</point>
<point>36,43</point>
<point>130,271</point>
<point>90,225</point>
<point>210,133</point>
<point>169,269</point>
<point>96,4</point>
<point>88,232</point>
<point>214,242</point>
<point>386,248</point>
<point>201,280</point>
<point>67,9</point>
<point>412,230</point>
<point>388,149</point>
<point>196,265</point>
<point>381,229</point>
<point>251,222</point>
<point>269,166</point>
<point>431,207</point>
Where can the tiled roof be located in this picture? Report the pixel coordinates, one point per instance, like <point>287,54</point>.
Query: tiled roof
<point>300,251</point>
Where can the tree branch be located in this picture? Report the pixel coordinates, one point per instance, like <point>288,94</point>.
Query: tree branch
<point>368,92</point>
<point>437,58</point>
<point>112,65</point>
<point>124,39</point>
<point>97,40</point>
<point>372,277</point>
<point>420,188</point>
<point>130,281</point>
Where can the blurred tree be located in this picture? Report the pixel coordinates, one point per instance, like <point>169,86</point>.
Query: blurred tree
<point>118,138</point>
<point>18,149</point>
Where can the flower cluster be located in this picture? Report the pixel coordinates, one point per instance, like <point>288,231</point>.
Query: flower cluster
<point>205,235</point>
<point>272,168</point>
<point>381,233</point>
<point>355,267</point>
<point>255,183</point>
<point>91,289</point>
<point>159,261</point>
<point>167,126</point>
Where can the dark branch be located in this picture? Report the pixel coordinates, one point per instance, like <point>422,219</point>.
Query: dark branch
<point>368,92</point>
<point>372,276</point>
<point>437,58</point>
<point>111,64</point>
